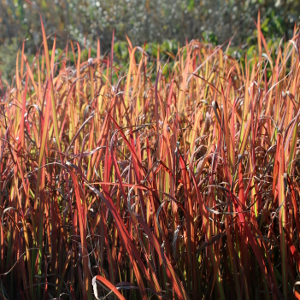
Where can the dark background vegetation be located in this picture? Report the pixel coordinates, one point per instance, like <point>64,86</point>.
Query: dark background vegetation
<point>143,21</point>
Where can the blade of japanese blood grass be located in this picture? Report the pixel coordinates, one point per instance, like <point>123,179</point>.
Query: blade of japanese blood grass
<point>98,50</point>
<point>40,186</point>
<point>39,82</point>
<point>50,68</point>
<point>100,245</point>
<point>91,69</point>
<point>108,162</point>
<point>177,285</point>
<point>226,129</point>
<point>56,260</point>
<point>196,125</point>
<point>172,146</point>
<point>282,216</point>
<point>243,239</point>
<point>191,242</point>
<point>129,42</point>
<point>105,127</point>
<point>19,88</point>
<point>135,86</point>
<point>245,102</point>
<point>158,146</point>
<point>136,167</point>
<point>245,137</point>
<point>101,141</point>
<point>158,58</point>
<point>115,238</point>
<point>276,167</point>
<point>270,278</point>
<point>112,55</point>
<point>63,271</point>
<point>133,216</point>
<point>28,70</point>
<point>82,210</point>
<point>249,98</point>
<point>205,219</point>
<point>168,158</point>
<point>278,95</point>
<point>133,253</point>
<point>184,83</point>
<point>98,79</point>
<point>111,264</point>
<point>21,142</point>
<point>67,107</point>
<point>254,119</point>
<point>260,38</point>
<point>130,72</point>
<point>132,150</point>
<point>293,146</point>
<point>107,284</point>
<point>78,132</point>
<point>151,202</point>
<point>156,114</point>
<point>291,105</point>
<point>162,236</point>
<point>258,33</point>
<point>25,232</point>
<point>295,206</point>
<point>91,142</point>
<point>78,75</point>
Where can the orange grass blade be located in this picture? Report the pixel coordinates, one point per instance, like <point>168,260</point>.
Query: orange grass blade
<point>50,79</point>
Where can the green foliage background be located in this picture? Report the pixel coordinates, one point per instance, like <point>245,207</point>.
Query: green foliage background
<point>154,21</point>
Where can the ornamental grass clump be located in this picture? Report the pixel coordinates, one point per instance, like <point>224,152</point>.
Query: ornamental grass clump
<point>171,178</point>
